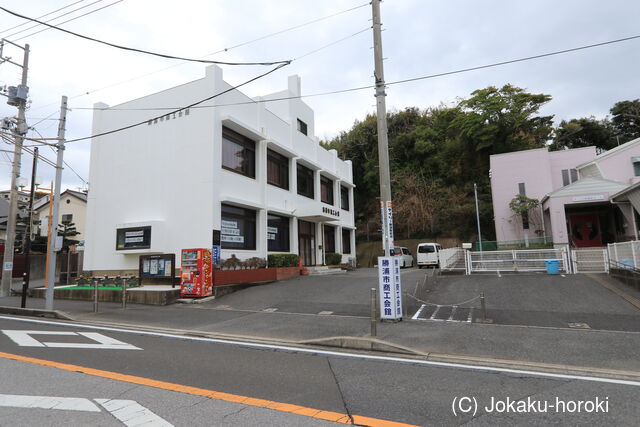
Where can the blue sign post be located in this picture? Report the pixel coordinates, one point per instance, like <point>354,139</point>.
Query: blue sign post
<point>215,255</point>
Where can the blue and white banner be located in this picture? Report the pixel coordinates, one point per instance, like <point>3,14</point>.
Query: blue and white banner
<point>390,288</point>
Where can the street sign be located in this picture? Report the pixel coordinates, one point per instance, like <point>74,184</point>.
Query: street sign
<point>390,288</point>
<point>215,255</point>
<point>391,242</point>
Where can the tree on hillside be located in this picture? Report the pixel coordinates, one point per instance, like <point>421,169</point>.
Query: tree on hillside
<point>584,132</point>
<point>625,117</point>
<point>435,157</point>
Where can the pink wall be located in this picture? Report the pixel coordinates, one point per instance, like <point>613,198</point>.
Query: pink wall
<point>618,166</point>
<point>540,170</point>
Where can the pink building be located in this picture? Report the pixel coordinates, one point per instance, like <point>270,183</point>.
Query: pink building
<point>586,199</point>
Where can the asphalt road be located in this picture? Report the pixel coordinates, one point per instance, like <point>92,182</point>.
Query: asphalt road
<point>412,392</point>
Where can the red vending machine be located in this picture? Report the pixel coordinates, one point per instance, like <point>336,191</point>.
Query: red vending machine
<point>196,274</point>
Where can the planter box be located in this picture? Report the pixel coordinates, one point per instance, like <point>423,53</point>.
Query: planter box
<point>228,277</point>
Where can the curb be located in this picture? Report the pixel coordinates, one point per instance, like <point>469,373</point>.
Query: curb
<point>363,343</point>
<point>36,312</point>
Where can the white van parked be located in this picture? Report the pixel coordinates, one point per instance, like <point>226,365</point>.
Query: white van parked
<point>428,254</point>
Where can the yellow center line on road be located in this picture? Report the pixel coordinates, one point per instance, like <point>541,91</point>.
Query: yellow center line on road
<point>245,400</point>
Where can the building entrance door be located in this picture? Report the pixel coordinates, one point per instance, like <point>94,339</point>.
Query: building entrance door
<point>585,230</point>
<point>307,242</point>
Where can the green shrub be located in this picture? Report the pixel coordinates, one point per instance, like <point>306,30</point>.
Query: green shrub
<point>332,258</point>
<point>283,260</point>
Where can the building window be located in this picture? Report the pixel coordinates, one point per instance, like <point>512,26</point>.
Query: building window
<point>636,165</point>
<point>525,220</point>
<point>344,198</point>
<point>305,182</point>
<point>278,233</point>
<point>238,228</point>
<point>302,127</point>
<point>238,153</point>
<point>67,218</point>
<point>329,239</point>
<point>346,241</point>
<point>277,169</point>
<point>521,189</point>
<point>569,176</point>
<point>574,175</point>
<point>326,190</point>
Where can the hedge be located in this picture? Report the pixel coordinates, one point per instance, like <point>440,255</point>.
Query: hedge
<point>283,260</point>
<point>333,258</point>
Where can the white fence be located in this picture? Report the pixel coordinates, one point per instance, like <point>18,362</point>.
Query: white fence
<point>452,259</point>
<point>626,253</point>
<point>593,260</point>
<point>516,260</point>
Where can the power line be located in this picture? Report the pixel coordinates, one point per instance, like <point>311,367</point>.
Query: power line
<point>42,16</point>
<point>359,88</point>
<point>72,19</point>
<point>226,49</point>
<point>146,52</point>
<point>52,19</point>
<point>182,108</point>
<point>64,161</point>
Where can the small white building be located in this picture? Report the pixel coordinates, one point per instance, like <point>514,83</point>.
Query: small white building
<point>73,208</point>
<point>253,171</point>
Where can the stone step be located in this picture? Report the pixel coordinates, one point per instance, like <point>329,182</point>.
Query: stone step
<point>323,270</point>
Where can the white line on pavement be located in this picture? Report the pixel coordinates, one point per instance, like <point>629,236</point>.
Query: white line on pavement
<point>336,353</point>
<point>131,413</point>
<point>46,402</point>
<point>24,339</point>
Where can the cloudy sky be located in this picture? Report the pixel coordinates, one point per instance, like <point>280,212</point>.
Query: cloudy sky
<point>421,37</point>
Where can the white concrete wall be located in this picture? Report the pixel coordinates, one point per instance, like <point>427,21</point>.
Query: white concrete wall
<point>168,174</point>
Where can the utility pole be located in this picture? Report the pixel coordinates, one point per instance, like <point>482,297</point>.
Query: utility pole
<point>475,191</point>
<point>383,143</point>
<point>51,255</point>
<point>20,100</point>
<point>27,244</point>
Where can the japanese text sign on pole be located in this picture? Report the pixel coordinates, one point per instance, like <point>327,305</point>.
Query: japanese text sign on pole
<point>383,220</point>
<point>389,213</point>
<point>390,288</point>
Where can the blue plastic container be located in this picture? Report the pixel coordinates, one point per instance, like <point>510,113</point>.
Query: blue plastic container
<point>553,266</point>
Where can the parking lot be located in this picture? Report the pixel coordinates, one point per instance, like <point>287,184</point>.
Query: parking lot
<point>565,301</point>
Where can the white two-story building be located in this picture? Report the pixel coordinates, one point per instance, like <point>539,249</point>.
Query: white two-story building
<point>251,172</point>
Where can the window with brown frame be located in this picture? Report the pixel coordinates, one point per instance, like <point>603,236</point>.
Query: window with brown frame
<point>344,198</point>
<point>238,153</point>
<point>277,169</point>
<point>305,181</point>
<point>326,190</point>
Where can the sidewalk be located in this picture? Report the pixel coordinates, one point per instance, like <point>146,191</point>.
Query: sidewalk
<point>252,314</point>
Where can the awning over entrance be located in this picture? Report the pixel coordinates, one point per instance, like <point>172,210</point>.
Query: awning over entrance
<point>630,194</point>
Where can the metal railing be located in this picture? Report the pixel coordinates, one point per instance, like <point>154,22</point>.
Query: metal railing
<point>522,260</point>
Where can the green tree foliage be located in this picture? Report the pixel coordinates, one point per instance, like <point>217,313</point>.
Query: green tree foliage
<point>585,132</point>
<point>435,157</point>
<point>67,229</point>
<point>625,117</point>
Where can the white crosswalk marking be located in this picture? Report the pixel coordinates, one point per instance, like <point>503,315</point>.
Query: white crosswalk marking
<point>103,342</point>
<point>46,402</point>
<point>131,413</point>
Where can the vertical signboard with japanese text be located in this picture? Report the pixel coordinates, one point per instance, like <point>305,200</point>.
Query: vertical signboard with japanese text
<point>390,288</point>
<point>383,221</point>
<point>389,221</point>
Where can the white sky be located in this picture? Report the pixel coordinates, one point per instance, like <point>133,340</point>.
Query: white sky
<point>421,37</point>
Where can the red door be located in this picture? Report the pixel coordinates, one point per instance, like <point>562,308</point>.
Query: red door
<point>585,230</point>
